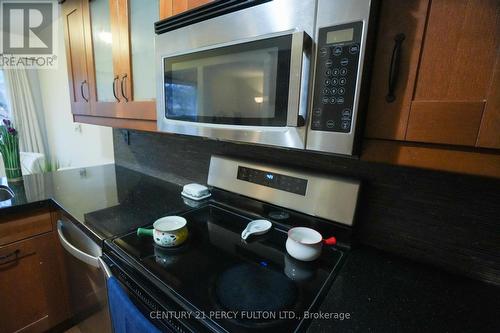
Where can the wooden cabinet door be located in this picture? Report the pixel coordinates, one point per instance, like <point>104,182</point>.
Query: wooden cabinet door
<point>108,50</point>
<point>73,16</point>
<point>173,7</point>
<point>185,5</point>
<point>102,50</point>
<point>102,54</point>
<point>135,62</point>
<point>387,118</point>
<point>166,9</point>
<point>447,92</point>
<point>455,73</point>
<point>32,296</point>
<point>489,132</point>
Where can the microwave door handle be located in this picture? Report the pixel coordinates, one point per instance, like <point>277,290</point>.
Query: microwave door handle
<point>299,74</point>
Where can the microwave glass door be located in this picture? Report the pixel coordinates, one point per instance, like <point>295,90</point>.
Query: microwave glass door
<point>241,84</point>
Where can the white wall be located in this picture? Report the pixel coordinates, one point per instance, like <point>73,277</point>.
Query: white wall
<point>70,146</point>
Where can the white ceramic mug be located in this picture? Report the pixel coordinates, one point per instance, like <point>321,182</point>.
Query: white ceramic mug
<point>305,243</point>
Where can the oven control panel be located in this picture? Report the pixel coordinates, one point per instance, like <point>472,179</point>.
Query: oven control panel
<point>273,179</point>
<point>336,74</point>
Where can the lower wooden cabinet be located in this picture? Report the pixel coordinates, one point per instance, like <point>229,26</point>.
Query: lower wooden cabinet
<point>33,294</point>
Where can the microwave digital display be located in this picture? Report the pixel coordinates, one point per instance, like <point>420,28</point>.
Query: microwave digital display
<point>340,36</point>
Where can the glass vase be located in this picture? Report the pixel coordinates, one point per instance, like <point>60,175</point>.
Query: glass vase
<point>12,163</point>
<point>13,174</point>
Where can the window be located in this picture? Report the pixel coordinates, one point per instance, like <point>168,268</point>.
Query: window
<point>4,105</point>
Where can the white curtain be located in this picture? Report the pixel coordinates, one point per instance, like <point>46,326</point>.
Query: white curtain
<point>27,110</point>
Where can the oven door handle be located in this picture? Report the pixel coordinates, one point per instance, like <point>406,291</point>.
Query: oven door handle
<point>300,59</point>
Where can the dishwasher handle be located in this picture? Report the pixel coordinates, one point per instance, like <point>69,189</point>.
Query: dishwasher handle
<point>74,251</point>
<point>105,268</point>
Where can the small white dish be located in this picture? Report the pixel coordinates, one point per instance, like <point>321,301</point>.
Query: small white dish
<point>184,194</point>
<point>195,191</point>
<point>256,227</point>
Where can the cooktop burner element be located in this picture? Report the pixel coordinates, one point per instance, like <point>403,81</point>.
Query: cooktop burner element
<point>249,287</point>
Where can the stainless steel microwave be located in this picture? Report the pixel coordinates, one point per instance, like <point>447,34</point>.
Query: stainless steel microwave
<point>283,73</point>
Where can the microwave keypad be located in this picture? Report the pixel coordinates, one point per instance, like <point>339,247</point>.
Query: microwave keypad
<point>336,74</point>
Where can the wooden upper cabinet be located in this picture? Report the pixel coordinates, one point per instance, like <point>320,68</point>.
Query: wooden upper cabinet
<point>400,33</point>
<point>122,43</point>
<point>138,62</point>
<point>456,70</point>
<point>99,50</point>
<point>173,7</point>
<point>489,132</point>
<point>445,78</point>
<point>459,52</point>
<point>73,21</point>
<point>114,52</point>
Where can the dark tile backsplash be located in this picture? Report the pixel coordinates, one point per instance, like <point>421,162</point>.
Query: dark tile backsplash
<point>447,220</point>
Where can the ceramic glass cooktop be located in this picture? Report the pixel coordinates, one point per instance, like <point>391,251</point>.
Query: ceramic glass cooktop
<point>215,270</point>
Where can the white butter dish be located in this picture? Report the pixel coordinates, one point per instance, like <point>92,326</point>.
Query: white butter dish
<point>195,191</point>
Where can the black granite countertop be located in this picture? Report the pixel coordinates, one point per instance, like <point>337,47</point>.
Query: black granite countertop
<point>380,292</point>
<point>104,200</point>
<point>385,293</point>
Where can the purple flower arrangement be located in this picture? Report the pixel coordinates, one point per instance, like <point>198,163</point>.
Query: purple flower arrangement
<point>9,148</point>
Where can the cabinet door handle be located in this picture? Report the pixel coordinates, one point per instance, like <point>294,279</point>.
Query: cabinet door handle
<point>81,90</point>
<point>7,256</point>
<point>123,87</point>
<point>394,67</point>
<point>114,88</point>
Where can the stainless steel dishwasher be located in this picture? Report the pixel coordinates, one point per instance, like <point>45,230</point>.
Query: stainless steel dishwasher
<point>86,279</point>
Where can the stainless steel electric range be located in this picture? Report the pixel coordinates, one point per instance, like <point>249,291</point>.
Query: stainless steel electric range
<point>217,282</point>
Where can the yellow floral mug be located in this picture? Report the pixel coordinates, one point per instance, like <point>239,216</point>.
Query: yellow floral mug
<point>169,231</point>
